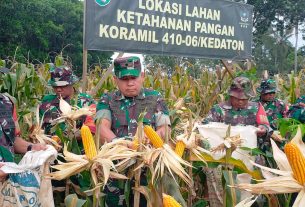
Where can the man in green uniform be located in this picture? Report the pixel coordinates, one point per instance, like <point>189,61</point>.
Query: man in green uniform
<point>237,110</point>
<point>297,110</point>
<point>10,140</point>
<point>275,108</point>
<point>63,80</point>
<point>118,113</point>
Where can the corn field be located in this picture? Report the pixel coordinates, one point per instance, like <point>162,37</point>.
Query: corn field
<point>188,99</point>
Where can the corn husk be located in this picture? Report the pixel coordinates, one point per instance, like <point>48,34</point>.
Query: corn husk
<point>192,140</point>
<point>72,113</point>
<point>160,159</point>
<point>229,142</point>
<point>247,202</point>
<point>111,159</point>
<point>284,181</point>
<point>38,133</point>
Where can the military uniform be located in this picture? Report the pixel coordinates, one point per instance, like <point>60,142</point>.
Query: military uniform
<point>225,113</point>
<point>123,113</point>
<point>253,114</point>
<point>296,111</point>
<point>9,128</point>
<point>49,108</point>
<point>276,108</point>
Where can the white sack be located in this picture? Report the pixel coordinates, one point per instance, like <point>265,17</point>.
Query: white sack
<point>215,132</point>
<point>25,185</point>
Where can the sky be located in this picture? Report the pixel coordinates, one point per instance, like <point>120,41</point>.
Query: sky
<point>301,42</point>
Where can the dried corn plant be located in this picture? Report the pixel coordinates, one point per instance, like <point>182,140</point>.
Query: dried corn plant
<point>103,164</point>
<point>290,176</point>
<point>70,113</point>
<point>161,158</point>
<point>37,133</point>
<point>190,140</point>
<point>198,94</point>
<point>290,86</point>
<point>247,202</point>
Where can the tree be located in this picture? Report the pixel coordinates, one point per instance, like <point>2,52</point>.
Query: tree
<point>41,29</point>
<point>296,15</point>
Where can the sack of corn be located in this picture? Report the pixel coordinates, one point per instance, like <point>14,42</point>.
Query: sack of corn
<point>25,185</point>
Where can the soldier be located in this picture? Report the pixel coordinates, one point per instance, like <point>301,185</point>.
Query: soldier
<point>10,140</point>
<point>118,113</point>
<point>275,108</point>
<point>238,110</point>
<point>63,80</point>
<point>297,110</point>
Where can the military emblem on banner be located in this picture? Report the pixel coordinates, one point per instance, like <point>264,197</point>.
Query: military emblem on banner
<point>244,18</point>
<point>102,2</point>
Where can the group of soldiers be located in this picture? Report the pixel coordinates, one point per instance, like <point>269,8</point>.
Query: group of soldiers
<point>117,112</point>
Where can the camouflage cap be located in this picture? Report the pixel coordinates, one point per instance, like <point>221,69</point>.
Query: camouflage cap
<point>127,66</point>
<point>241,88</point>
<point>62,76</point>
<point>267,86</point>
<point>4,70</point>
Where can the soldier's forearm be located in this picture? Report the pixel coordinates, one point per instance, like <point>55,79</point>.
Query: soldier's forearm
<point>106,134</point>
<point>21,145</point>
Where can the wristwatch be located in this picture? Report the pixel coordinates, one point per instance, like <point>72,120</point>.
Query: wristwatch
<point>29,148</point>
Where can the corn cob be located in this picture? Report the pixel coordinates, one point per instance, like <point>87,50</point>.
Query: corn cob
<point>169,201</point>
<point>135,143</point>
<point>296,160</point>
<point>180,147</point>
<point>88,142</point>
<point>55,138</point>
<point>152,135</point>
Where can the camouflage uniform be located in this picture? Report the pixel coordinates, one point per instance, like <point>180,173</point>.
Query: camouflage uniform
<point>276,108</point>
<point>296,111</point>
<point>123,113</point>
<point>254,114</point>
<point>49,108</point>
<point>225,113</point>
<point>9,128</point>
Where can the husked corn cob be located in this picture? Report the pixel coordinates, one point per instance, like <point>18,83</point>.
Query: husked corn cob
<point>135,143</point>
<point>55,138</point>
<point>296,160</point>
<point>180,147</point>
<point>88,142</point>
<point>169,201</point>
<point>153,136</point>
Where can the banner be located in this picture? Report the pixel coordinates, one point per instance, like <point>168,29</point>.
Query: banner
<point>198,28</point>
